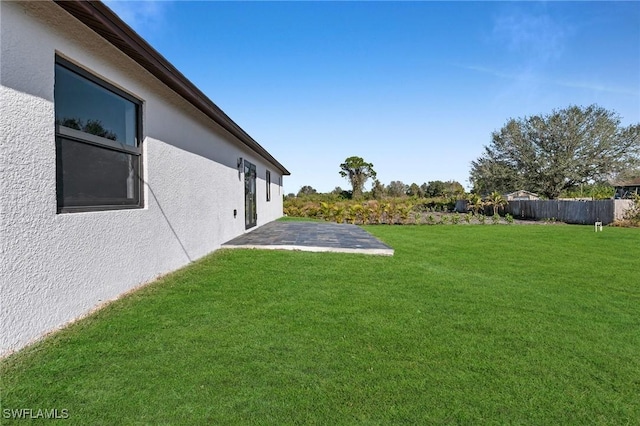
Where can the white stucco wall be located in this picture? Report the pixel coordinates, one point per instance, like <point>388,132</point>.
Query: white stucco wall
<point>57,267</point>
<point>620,208</point>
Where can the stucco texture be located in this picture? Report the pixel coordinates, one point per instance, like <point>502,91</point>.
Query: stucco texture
<point>58,267</point>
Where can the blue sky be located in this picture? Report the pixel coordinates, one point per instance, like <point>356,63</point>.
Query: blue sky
<point>416,88</point>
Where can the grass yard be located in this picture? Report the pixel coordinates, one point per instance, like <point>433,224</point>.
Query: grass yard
<point>465,324</point>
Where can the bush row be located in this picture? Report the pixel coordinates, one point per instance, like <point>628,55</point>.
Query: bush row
<point>390,213</point>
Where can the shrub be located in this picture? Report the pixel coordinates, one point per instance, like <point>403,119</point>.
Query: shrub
<point>339,212</point>
<point>354,213</point>
<point>310,210</point>
<point>326,211</point>
<point>404,210</point>
<point>417,218</point>
<point>293,211</point>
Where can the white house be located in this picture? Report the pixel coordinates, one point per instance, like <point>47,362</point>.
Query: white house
<point>115,168</point>
<point>521,195</point>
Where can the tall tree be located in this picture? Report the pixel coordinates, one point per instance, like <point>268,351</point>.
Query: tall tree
<point>306,190</point>
<point>555,152</point>
<point>425,189</point>
<point>341,193</point>
<point>438,188</point>
<point>378,190</point>
<point>415,191</point>
<point>357,172</point>
<point>435,188</point>
<point>453,188</point>
<point>396,189</point>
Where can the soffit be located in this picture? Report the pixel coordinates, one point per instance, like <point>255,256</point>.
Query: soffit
<point>100,19</point>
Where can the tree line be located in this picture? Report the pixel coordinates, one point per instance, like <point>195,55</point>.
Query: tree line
<point>559,152</point>
<point>395,189</point>
<point>357,171</point>
<point>562,152</point>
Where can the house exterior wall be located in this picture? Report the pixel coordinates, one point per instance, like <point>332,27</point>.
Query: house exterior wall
<point>55,267</point>
<point>521,195</point>
<point>627,191</point>
<point>620,208</point>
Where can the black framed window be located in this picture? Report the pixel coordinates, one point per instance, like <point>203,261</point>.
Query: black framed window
<point>268,180</point>
<point>98,143</point>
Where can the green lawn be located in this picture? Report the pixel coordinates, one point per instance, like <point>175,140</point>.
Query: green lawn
<point>465,324</point>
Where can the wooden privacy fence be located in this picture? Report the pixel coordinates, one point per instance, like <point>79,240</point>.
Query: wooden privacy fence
<point>569,211</point>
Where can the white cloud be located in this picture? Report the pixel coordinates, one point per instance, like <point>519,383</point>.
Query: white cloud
<point>537,36</point>
<point>532,78</point>
<point>597,87</point>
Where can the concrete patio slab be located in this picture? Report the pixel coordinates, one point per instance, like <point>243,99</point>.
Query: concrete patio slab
<point>311,236</point>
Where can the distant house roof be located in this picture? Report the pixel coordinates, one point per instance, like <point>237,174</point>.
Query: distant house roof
<point>522,195</point>
<point>99,18</point>
<point>627,183</point>
<point>626,189</point>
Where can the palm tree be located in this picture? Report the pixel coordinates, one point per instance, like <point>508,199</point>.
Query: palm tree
<point>357,171</point>
<point>475,203</point>
<point>496,200</point>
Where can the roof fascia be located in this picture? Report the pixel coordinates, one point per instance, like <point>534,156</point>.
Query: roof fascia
<point>103,21</point>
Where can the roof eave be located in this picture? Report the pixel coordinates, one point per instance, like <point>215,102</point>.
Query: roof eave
<point>104,22</point>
